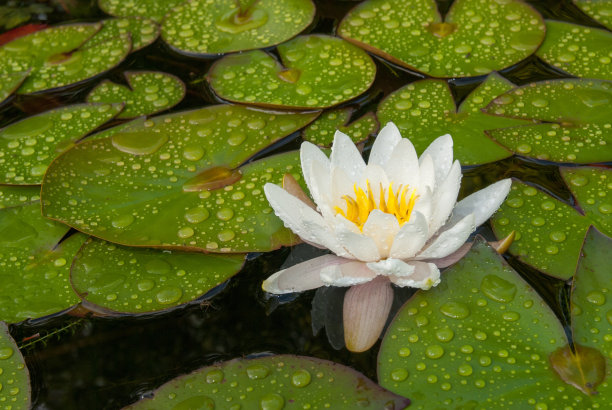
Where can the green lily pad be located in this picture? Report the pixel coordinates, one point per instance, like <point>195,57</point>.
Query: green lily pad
<point>154,9</point>
<point>321,131</point>
<point>577,50</point>
<point>600,10</point>
<point>572,122</point>
<point>425,109</point>
<point>18,195</point>
<point>28,146</point>
<point>273,382</point>
<point>204,27</point>
<point>549,233</point>
<point>10,82</point>
<point>176,181</point>
<point>316,71</point>
<point>149,92</point>
<point>142,31</point>
<point>592,188</point>
<point>474,340</point>
<point>135,280</point>
<point>14,377</point>
<point>475,38</point>
<point>34,264</point>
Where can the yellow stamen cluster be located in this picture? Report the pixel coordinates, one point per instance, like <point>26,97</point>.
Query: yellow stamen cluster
<point>397,203</point>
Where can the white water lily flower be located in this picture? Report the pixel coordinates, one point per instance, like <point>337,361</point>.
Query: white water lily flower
<point>395,218</point>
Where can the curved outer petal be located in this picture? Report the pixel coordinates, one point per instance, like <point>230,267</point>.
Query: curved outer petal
<point>427,174</point>
<point>310,153</point>
<point>384,145</point>
<point>302,220</point>
<point>346,274</point>
<point>425,276</point>
<point>360,246</point>
<point>441,153</point>
<point>450,240</point>
<point>301,277</point>
<point>403,166</point>
<point>320,188</point>
<point>382,228</point>
<point>411,237</point>
<point>346,156</point>
<point>445,198</point>
<point>482,203</point>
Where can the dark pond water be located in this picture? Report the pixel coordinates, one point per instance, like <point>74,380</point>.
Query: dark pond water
<point>108,363</point>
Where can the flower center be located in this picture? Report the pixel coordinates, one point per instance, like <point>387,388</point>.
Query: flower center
<point>398,203</point>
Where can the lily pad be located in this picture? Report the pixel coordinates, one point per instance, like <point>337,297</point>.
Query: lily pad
<point>28,146</point>
<point>577,50</point>
<point>14,377</point>
<point>474,341</point>
<point>273,382</point>
<point>154,9</point>
<point>34,264</point>
<point>17,195</point>
<point>205,27</point>
<point>600,10</point>
<point>142,31</point>
<point>149,92</point>
<point>134,280</point>
<point>572,122</point>
<point>315,71</point>
<point>425,109</point>
<point>475,37</point>
<point>176,181</point>
<point>10,82</point>
<point>321,131</point>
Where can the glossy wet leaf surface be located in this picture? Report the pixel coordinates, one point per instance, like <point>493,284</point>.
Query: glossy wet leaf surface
<point>175,181</point>
<point>142,31</point>
<point>148,92</point>
<point>14,375</point>
<point>578,50</point>
<point>17,195</point>
<point>220,26</point>
<point>600,10</point>
<point>425,109</point>
<point>34,265</point>
<point>321,131</point>
<point>474,38</point>
<point>315,71</point>
<point>138,280</point>
<point>154,9</point>
<point>10,82</point>
<point>273,382</point>
<point>480,339</point>
<point>27,147</point>
<point>571,120</point>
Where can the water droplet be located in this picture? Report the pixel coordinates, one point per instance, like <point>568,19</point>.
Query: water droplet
<point>455,310</point>
<point>445,335</point>
<point>538,221</point>
<point>196,215</point>
<point>557,236</point>
<point>484,361</point>
<point>139,143</point>
<point>539,102</point>
<point>511,316</point>
<point>399,375</point>
<point>211,179</point>
<point>169,295</point>
<point>523,149</point>
<point>515,202</point>
<point>498,289</point>
<point>195,402</point>
<point>465,370</point>
<point>59,262</point>
<point>547,205</point>
<point>145,284</point>
<point>214,376</point>
<point>158,266</point>
<point>301,378</point>
<point>257,371</point>
<point>272,401</point>
<point>605,208</point>
<point>236,139</point>
<point>434,351</point>
<point>596,298</point>
<point>185,232</point>
<point>226,235</point>
<point>6,353</point>
<point>225,214</point>
<point>404,352</point>
<point>193,153</point>
<point>122,221</point>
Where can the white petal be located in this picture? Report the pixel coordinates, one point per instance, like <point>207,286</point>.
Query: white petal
<point>403,167</point>
<point>423,205</point>
<point>320,188</point>
<point>445,198</point>
<point>392,267</point>
<point>341,224</point>
<point>425,276</point>
<point>346,156</point>
<point>411,237</point>
<point>453,257</point>
<point>450,240</point>
<point>441,153</point>
<point>360,246</point>
<point>341,185</point>
<point>427,174</point>
<point>302,220</point>
<point>482,203</point>
<point>382,228</point>
<point>377,177</point>
<point>384,144</point>
<point>346,274</point>
<point>310,153</point>
<point>301,277</point>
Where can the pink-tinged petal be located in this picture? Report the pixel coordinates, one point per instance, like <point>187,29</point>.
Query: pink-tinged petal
<point>382,228</point>
<point>411,237</point>
<point>482,203</point>
<point>365,311</point>
<point>294,188</point>
<point>391,267</point>
<point>454,257</point>
<point>450,240</point>
<point>301,277</point>
<point>445,198</point>
<point>346,156</point>
<point>360,246</point>
<point>427,174</point>
<point>403,167</point>
<point>302,220</point>
<point>383,146</point>
<point>346,274</point>
<point>441,153</point>
<point>425,276</point>
<point>310,153</point>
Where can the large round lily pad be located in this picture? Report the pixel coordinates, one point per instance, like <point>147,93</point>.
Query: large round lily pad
<point>273,382</point>
<point>475,37</point>
<point>425,109</point>
<point>149,92</point>
<point>315,71</point>
<point>600,10</point>
<point>481,339</point>
<point>14,375</point>
<point>219,26</point>
<point>176,181</point>
<point>136,280</point>
<point>27,147</point>
<point>142,31</point>
<point>154,9</point>
<point>321,131</point>
<point>578,50</point>
<point>571,120</point>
